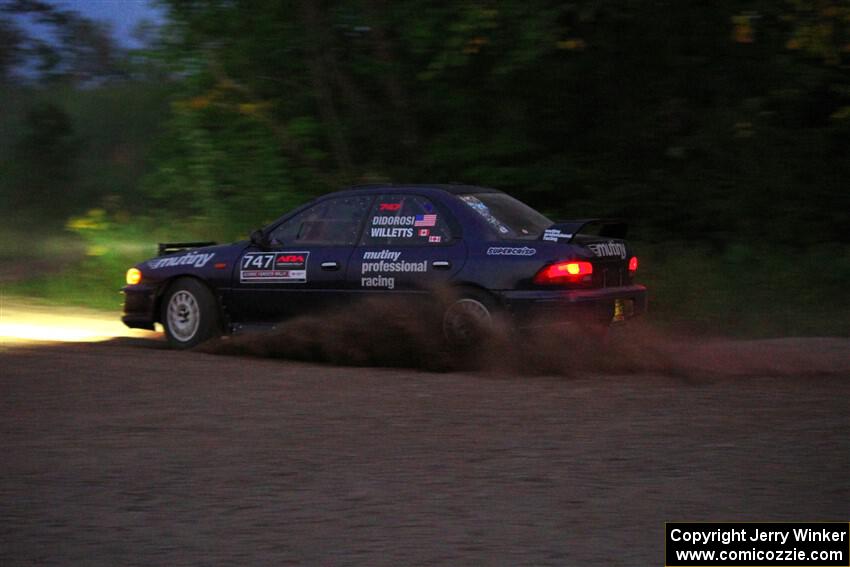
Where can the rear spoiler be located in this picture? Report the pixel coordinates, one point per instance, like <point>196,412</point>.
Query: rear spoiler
<point>172,247</point>
<point>567,230</point>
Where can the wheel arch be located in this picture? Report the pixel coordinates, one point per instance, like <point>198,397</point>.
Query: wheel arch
<point>457,289</point>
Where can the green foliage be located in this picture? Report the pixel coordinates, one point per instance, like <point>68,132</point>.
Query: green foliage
<point>43,159</point>
<point>85,264</point>
<point>64,150</point>
<point>821,28</point>
<point>748,290</point>
<point>699,122</point>
<point>220,167</point>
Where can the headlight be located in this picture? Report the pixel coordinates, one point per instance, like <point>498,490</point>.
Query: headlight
<point>134,276</point>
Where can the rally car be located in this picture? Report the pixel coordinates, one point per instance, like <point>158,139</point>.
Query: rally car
<point>493,253</point>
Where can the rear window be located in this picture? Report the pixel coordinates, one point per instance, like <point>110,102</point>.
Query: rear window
<point>510,218</point>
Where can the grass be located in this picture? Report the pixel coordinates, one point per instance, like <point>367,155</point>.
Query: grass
<point>93,282</point>
<point>96,250</point>
<point>69,268</point>
<point>748,291</point>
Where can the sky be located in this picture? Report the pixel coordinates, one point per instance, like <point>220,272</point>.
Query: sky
<point>122,15</point>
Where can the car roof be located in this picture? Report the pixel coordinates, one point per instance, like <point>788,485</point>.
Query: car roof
<point>453,188</point>
<point>433,189</point>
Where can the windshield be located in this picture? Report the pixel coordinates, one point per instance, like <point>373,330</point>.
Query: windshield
<point>510,218</point>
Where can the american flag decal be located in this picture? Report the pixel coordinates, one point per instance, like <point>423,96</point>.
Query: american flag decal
<point>425,220</point>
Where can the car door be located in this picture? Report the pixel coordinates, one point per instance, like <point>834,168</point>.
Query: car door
<point>304,267</point>
<point>408,246</point>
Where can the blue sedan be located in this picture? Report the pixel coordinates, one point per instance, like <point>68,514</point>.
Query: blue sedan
<point>492,252</point>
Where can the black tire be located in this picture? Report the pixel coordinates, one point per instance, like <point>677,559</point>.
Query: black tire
<point>190,314</point>
<point>468,319</point>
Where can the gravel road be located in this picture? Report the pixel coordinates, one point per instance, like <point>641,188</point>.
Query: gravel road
<point>123,453</point>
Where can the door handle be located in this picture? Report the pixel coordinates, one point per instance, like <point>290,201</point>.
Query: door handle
<point>441,265</point>
<point>330,266</point>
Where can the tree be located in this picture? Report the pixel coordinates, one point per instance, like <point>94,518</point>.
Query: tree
<point>43,171</point>
<point>78,50</point>
<point>11,48</point>
<point>686,116</point>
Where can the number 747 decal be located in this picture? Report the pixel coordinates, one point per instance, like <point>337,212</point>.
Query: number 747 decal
<point>284,267</point>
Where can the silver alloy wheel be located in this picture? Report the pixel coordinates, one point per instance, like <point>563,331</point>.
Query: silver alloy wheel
<point>465,320</point>
<point>184,315</point>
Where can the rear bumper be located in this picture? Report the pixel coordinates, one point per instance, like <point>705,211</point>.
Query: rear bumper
<point>139,306</point>
<point>596,305</point>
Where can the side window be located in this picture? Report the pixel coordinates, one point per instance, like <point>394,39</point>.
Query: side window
<point>405,220</point>
<point>331,222</point>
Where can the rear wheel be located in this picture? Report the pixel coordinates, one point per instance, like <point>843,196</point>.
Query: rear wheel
<point>190,314</point>
<point>468,320</point>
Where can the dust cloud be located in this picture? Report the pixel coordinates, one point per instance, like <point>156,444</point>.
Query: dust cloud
<point>387,333</point>
<point>369,333</point>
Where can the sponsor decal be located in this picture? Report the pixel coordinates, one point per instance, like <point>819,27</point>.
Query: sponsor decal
<point>511,251</point>
<point>287,259</point>
<point>378,281</point>
<point>398,266</point>
<point>191,259</point>
<point>378,262</point>
<point>282,267</point>
<point>435,238</point>
<point>609,248</point>
<point>382,255</point>
<point>425,220</point>
<point>476,205</point>
<point>554,234</point>
<point>395,232</point>
<point>424,232</point>
<point>393,221</point>
<point>389,207</point>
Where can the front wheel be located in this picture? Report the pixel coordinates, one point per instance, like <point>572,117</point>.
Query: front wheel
<point>189,314</point>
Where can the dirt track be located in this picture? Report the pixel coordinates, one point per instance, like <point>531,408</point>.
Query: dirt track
<point>126,454</point>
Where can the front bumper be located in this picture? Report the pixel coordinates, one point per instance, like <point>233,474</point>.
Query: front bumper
<point>530,307</point>
<point>139,306</point>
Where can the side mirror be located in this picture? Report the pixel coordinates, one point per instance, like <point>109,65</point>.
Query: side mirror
<point>259,239</point>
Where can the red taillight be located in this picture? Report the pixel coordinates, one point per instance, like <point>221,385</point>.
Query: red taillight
<point>633,264</point>
<point>564,272</point>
